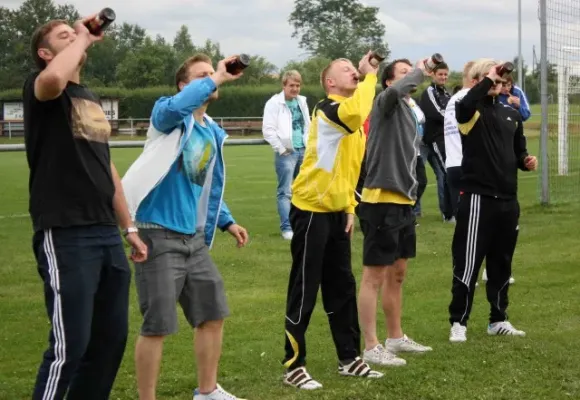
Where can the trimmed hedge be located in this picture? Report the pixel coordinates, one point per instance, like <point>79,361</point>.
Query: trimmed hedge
<point>234,101</point>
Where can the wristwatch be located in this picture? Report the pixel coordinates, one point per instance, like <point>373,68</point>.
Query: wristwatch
<point>129,230</point>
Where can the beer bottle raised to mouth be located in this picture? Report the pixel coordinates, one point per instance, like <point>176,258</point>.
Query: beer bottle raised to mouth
<point>505,69</point>
<point>239,64</point>
<point>98,24</point>
<point>376,57</point>
<point>434,61</point>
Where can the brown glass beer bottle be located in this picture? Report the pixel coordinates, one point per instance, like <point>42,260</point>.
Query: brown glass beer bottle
<point>432,62</point>
<point>376,57</point>
<point>505,69</point>
<point>98,24</point>
<point>239,64</point>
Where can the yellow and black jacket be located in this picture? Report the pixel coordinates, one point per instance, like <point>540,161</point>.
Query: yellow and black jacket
<point>334,152</point>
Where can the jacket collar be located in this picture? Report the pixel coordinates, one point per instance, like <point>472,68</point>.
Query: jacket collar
<point>282,98</point>
<point>489,100</point>
<point>439,88</point>
<point>336,97</point>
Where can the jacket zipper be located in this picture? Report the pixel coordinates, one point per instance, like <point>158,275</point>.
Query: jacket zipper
<point>223,188</point>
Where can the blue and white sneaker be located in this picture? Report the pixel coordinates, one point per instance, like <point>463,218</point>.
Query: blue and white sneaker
<point>218,394</point>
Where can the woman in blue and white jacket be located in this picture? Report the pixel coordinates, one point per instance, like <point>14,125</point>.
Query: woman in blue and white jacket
<point>513,96</point>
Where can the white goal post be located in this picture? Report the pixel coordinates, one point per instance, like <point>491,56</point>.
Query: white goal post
<point>568,70</point>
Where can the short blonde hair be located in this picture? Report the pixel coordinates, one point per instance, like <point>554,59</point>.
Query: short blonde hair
<point>466,72</point>
<point>291,75</point>
<point>481,67</point>
<point>324,73</point>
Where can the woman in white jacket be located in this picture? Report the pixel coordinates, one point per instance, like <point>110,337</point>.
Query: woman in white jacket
<point>285,126</point>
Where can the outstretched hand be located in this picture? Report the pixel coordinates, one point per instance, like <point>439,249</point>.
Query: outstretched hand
<point>239,233</point>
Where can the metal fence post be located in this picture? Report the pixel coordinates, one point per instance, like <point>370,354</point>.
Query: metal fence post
<point>545,176</point>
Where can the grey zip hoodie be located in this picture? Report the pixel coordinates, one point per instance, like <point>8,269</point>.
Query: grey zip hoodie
<point>393,141</point>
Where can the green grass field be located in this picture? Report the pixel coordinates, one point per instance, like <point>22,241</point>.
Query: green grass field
<point>544,303</point>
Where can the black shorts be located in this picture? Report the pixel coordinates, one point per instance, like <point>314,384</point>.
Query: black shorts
<point>389,233</point>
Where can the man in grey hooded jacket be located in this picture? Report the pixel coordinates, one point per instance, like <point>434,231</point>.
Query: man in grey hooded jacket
<point>386,210</point>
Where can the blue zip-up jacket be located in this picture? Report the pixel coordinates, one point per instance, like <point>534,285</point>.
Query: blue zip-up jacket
<point>524,109</point>
<point>171,126</point>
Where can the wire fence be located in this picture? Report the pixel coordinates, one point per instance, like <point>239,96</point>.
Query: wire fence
<point>560,123</point>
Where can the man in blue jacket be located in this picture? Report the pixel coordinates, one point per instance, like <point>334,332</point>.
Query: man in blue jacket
<point>513,96</point>
<point>175,192</point>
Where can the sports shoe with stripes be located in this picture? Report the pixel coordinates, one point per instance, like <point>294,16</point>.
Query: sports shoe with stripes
<point>360,369</point>
<point>301,379</point>
<point>405,345</point>
<point>380,356</point>
<point>504,328</point>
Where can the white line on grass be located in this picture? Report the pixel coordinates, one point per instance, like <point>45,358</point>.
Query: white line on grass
<point>14,216</point>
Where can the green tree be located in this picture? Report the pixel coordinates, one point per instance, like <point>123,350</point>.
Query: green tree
<point>126,56</point>
<point>106,55</point>
<point>10,60</point>
<point>183,44</point>
<point>147,65</point>
<point>130,36</point>
<point>68,12</point>
<point>337,28</point>
<point>310,69</point>
<point>212,50</point>
<point>259,72</point>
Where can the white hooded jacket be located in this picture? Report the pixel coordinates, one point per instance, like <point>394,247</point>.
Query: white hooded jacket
<point>277,122</point>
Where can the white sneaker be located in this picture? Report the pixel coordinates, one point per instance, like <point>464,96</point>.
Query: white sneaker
<point>301,379</point>
<point>218,394</point>
<point>512,280</point>
<point>504,328</point>
<point>458,333</point>
<point>288,235</point>
<point>380,356</point>
<point>405,344</point>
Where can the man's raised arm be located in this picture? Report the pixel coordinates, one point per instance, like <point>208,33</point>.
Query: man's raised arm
<point>466,108</point>
<point>169,112</point>
<point>52,81</point>
<point>388,98</point>
<point>354,111</point>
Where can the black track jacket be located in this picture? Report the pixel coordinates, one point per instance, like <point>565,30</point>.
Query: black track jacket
<point>494,145</point>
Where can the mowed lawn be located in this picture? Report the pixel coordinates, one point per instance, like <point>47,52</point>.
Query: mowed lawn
<point>544,303</point>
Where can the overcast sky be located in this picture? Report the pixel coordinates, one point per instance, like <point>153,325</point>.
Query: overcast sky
<point>459,29</point>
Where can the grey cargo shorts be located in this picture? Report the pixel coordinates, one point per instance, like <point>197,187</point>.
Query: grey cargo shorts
<point>178,269</point>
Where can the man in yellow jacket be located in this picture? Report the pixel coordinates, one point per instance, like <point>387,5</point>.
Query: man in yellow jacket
<point>322,219</point>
